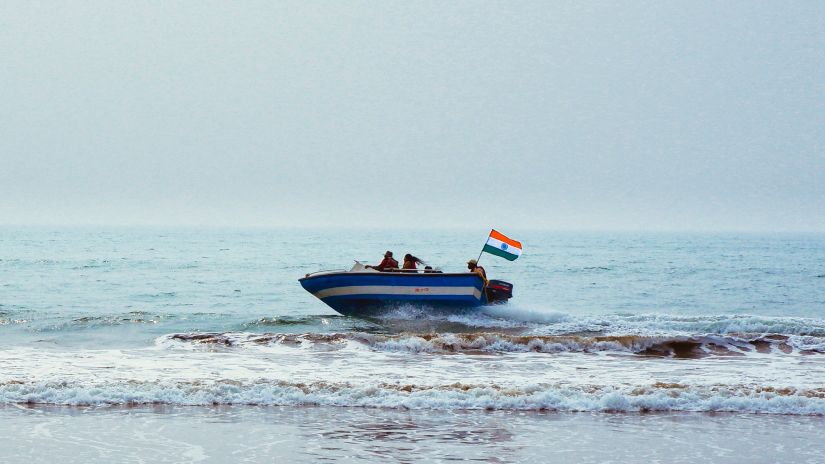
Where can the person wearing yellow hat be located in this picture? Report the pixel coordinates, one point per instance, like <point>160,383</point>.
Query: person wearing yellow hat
<point>473,266</point>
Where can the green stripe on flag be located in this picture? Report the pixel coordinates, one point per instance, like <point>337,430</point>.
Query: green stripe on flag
<point>499,252</point>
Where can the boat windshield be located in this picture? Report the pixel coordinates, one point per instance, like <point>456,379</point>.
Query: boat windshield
<point>360,267</point>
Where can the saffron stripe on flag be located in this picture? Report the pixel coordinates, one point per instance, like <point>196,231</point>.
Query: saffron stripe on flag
<point>503,238</point>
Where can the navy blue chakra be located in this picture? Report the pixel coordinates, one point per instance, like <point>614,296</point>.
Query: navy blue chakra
<point>504,246</point>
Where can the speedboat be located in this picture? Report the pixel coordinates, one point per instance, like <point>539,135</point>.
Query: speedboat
<point>363,291</point>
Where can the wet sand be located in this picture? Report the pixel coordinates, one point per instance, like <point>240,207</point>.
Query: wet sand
<point>331,434</point>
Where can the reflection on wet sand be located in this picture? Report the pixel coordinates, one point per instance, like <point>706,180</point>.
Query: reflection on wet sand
<point>328,434</point>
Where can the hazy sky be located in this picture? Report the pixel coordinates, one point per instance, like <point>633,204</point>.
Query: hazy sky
<point>564,115</point>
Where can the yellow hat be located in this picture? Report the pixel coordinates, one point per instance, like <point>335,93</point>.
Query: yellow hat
<point>472,261</point>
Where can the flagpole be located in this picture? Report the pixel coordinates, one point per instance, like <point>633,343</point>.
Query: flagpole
<point>482,248</point>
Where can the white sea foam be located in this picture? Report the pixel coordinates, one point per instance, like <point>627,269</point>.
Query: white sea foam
<point>438,371</point>
<point>455,396</point>
<point>693,346</point>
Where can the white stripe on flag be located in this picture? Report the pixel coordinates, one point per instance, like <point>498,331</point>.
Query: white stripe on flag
<point>495,243</point>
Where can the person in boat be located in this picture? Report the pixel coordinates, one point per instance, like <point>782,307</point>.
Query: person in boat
<point>387,264</point>
<point>473,266</point>
<point>410,262</point>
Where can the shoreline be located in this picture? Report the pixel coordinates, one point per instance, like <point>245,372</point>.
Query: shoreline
<point>162,408</point>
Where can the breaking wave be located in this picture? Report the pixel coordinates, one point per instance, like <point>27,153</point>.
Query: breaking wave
<point>654,397</point>
<point>696,346</point>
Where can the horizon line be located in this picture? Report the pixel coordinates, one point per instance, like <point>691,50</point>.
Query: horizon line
<point>518,228</point>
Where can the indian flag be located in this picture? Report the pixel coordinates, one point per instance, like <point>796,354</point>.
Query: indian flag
<point>500,245</point>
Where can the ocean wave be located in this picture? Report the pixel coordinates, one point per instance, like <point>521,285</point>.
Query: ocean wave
<point>511,319</point>
<point>409,318</point>
<point>667,324</point>
<point>524,314</point>
<point>293,320</point>
<point>654,397</point>
<point>691,347</point>
<point>717,324</point>
<point>320,321</point>
<point>107,320</point>
<point>538,320</point>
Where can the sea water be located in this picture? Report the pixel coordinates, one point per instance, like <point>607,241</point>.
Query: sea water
<point>144,344</point>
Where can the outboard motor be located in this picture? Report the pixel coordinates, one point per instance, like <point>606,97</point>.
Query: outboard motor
<point>498,291</point>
